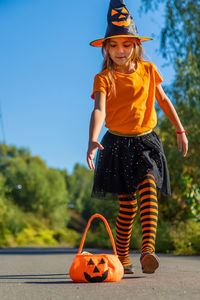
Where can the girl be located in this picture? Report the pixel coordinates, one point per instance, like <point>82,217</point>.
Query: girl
<point>130,156</point>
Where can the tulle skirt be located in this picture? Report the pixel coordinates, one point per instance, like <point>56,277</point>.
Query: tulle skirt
<point>124,162</point>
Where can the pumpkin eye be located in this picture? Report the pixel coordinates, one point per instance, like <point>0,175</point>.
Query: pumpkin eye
<point>124,11</point>
<point>91,262</point>
<point>114,12</point>
<point>102,261</point>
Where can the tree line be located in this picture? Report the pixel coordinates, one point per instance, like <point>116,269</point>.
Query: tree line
<point>46,206</point>
<point>41,205</point>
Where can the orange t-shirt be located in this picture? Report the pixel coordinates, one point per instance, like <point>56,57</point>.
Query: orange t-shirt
<point>132,110</point>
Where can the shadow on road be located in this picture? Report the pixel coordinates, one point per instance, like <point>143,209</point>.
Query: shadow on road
<point>38,279</point>
<point>38,251</point>
<point>50,282</point>
<point>49,279</point>
<point>69,281</point>
<point>34,276</point>
<point>48,251</point>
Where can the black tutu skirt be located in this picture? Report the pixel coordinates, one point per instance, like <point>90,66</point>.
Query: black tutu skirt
<point>124,162</point>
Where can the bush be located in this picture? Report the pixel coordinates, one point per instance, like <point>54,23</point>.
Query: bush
<point>185,237</point>
<point>6,238</point>
<point>30,236</point>
<point>99,238</point>
<point>136,237</point>
<point>66,237</point>
<point>181,239</point>
<point>164,242</point>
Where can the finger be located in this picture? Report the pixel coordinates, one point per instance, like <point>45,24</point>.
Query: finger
<point>91,162</point>
<point>100,146</point>
<point>185,150</point>
<point>93,167</point>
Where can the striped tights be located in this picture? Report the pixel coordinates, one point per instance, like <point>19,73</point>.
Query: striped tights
<point>148,216</point>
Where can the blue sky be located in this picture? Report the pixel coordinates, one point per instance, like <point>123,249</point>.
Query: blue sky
<point>47,69</point>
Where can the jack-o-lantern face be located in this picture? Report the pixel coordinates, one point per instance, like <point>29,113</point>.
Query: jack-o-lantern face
<point>96,272</point>
<point>119,15</point>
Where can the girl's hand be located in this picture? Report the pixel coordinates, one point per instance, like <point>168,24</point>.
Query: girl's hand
<point>182,143</point>
<point>92,148</point>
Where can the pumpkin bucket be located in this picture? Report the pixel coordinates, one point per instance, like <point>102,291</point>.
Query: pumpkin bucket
<point>88,267</point>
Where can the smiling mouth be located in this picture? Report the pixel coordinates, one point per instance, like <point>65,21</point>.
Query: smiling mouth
<point>120,57</point>
<point>96,278</point>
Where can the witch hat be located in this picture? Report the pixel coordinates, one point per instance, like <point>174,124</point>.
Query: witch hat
<point>120,24</point>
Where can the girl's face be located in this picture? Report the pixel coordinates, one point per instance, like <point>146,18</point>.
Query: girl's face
<point>121,50</point>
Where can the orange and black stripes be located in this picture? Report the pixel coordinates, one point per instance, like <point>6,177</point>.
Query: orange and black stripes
<point>148,212</point>
<point>127,213</point>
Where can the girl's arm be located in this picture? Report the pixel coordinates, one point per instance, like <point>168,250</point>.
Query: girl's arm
<point>171,113</point>
<point>96,123</point>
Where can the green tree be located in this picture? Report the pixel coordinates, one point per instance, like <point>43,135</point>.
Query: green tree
<point>180,45</point>
<point>33,186</point>
<point>3,207</point>
<point>79,185</point>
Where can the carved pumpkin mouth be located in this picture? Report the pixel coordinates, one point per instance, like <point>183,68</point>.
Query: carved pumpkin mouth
<point>123,23</point>
<point>96,278</point>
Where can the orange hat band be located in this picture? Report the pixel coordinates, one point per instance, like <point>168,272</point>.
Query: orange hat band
<point>99,42</point>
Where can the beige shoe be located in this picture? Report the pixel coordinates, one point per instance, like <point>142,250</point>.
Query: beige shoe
<point>128,269</point>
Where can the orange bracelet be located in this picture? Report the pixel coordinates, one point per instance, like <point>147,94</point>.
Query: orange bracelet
<point>184,131</point>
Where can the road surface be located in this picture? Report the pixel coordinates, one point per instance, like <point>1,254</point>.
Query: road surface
<point>43,274</point>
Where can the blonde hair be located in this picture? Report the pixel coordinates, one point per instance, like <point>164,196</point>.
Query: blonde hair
<point>110,66</point>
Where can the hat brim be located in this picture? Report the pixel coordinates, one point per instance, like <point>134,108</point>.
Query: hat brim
<point>99,42</point>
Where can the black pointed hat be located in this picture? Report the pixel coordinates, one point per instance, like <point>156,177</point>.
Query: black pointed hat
<point>120,24</point>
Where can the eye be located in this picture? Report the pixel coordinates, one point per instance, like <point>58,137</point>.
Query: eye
<point>91,262</point>
<point>112,45</point>
<point>102,261</point>
<point>127,45</point>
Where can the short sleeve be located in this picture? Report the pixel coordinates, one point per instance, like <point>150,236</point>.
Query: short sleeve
<point>158,78</point>
<point>100,85</point>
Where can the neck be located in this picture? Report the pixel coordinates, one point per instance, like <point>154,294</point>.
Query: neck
<point>126,68</point>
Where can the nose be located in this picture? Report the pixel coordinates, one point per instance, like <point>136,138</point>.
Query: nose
<point>96,270</point>
<point>120,49</point>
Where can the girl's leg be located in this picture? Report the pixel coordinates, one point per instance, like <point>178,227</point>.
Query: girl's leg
<point>148,213</point>
<point>127,213</point>
<point>149,218</point>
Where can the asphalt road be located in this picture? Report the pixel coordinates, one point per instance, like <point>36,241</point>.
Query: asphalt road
<point>42,274</point>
